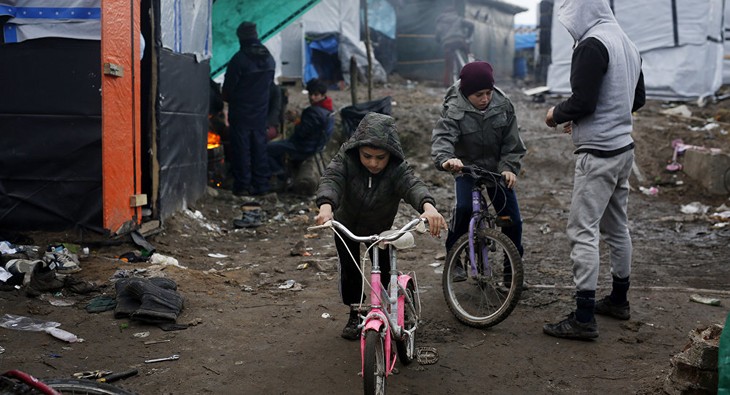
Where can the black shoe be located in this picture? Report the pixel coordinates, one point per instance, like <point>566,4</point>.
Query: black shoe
<point>618,311</point>
<point>351,331</point>
<point>459,274</point>
<point>571,328</point>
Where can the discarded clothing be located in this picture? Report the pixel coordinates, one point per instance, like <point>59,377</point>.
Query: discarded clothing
<point>154,300</point>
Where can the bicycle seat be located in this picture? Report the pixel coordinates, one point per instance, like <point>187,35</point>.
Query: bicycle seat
<point>402,243</point>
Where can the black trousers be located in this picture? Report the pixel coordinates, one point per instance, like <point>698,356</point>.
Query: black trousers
<point>350,278</point>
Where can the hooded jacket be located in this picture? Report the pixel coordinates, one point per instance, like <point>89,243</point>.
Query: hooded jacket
<point>603,97</point>
<point>488,139</point>
<point>452,29</point>
<point>364,202</point>
<point>247,85</point>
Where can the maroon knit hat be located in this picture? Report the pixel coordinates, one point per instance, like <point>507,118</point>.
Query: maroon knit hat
<point>476,76</point>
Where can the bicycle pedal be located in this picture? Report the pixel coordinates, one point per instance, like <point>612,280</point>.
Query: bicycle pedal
<point>503,221</point>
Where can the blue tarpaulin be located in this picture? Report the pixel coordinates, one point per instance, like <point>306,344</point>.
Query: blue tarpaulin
<point>525,40</point>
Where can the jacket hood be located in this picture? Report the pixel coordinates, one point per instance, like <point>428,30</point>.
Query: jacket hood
<point>326,103</point>
<point>579,16</point>
<point>377,130</point>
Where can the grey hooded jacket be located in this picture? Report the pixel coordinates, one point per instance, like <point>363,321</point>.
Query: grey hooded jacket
<point>609,126</point>
<point>364,202</point>
<point>488,139</point>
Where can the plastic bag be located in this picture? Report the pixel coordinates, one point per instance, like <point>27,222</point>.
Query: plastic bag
<point>18,322</point>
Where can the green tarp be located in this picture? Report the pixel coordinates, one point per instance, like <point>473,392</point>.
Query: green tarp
<point>270,16</point>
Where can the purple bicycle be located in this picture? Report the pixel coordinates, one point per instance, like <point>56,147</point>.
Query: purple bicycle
<point>482,278</point>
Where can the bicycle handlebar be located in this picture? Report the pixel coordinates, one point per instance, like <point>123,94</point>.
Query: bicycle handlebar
<point>419,224</point>
<point>478,172</point>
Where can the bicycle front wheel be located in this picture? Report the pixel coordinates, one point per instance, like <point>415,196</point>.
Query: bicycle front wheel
<point>374,368</point>
<point>485,297</point>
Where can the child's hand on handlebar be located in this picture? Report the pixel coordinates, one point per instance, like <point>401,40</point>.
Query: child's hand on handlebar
<point>453,165</point>
<point>509,178</point>
<point>325,214</point>
<point>436,221</point>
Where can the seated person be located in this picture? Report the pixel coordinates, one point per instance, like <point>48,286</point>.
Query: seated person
<point>310,134</point>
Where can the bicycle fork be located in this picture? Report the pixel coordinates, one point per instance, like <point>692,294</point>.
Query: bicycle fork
<point>476,208</point>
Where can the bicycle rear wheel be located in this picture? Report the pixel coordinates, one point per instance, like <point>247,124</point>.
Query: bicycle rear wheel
<point>407,345</point>
<point>488,297</point>
<point>374,368</point>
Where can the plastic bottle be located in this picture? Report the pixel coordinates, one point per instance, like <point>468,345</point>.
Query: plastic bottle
<point>61,334</point>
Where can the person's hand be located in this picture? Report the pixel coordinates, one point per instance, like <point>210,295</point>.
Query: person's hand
<point>453,165</point>
<point>549,118</point>
<point>509,178</point>
<point>568,128</point>
<point>436,221</point>
<point>324,215</point>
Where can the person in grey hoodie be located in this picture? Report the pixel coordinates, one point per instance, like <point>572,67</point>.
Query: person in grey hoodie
<point>607,86</point>
<point>362,188</point>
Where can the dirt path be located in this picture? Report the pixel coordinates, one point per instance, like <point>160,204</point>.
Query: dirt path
<point>247,335</point>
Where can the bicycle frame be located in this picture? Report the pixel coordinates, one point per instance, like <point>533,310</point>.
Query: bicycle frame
<point>390,320</point>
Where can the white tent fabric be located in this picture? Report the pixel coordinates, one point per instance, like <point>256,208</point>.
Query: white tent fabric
<point>681,61</point>
<point>328,16</point>
<point>726,61</point>
<point>32,19</point>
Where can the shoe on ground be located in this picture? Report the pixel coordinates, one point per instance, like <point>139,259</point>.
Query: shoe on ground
<point>43,279</point>
<point>59,258</point>
<point>571,328</point>
<point>351,331</point>
<point>459,274</point>
<point>619,311</point>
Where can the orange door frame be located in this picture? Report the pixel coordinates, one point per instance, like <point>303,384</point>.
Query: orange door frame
<point>120,115</point>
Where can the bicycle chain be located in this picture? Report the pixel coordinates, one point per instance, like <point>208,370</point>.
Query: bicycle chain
<point>427,355</point>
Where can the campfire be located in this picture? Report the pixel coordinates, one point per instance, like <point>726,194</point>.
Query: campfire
<point>214,140</point>
<point>216,160</point>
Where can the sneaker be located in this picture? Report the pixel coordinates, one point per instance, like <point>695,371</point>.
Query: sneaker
<point>571,328</point>
<point>250,219</point>
<point>351,331</point>
<point>619,311</point>
<point>459,274</point>
<point>43,279</point>
<point>59,258</point>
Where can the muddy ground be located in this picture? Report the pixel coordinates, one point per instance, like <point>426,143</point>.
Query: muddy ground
<point>248,335</point>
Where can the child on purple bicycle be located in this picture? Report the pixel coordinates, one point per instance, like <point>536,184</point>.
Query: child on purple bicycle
<point>362,188</point>
<point>478,126</point>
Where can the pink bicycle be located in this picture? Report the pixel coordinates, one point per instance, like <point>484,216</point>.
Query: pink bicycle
<point>393,314</point>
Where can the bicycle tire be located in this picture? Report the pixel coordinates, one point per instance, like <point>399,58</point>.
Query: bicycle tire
<point>84,387</point>
<point>483,300</point>
<point>406,347</point>
<point>374,364</point>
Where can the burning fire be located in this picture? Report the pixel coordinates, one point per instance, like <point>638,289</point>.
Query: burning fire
<point>214,140</point>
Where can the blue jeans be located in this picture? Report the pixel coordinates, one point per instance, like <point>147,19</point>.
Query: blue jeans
<point>504,203</point>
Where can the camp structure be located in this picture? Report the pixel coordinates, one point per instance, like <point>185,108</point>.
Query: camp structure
<point>103,119</point>
<point>726,61</point>
<point>421,58</point>
<point>681,45</point>
<point>316,40</point>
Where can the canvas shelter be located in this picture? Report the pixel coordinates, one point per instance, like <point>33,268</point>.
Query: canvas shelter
<point>308,39</point>
<point>421,57</point>
<point>97,131</point>
<point>726,42</point>
<point>681,45</point>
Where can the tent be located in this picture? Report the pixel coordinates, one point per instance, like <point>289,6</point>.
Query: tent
<point>107,132</point>
<point>726,61</point>
<point>681,48</point>
<point>314,35</point>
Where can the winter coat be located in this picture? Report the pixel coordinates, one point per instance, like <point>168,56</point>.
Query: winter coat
<point>367,203</point>
<point>247,84</point>
<point>488,139</point>
<point>315,128</point>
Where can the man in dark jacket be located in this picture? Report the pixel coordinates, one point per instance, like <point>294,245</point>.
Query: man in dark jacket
<point>362,188</point>
<point>310,135</point>
<point>607,85</point>
<point>246,89</point>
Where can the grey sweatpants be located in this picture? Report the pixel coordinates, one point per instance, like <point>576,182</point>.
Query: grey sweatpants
<point>598,208</point>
